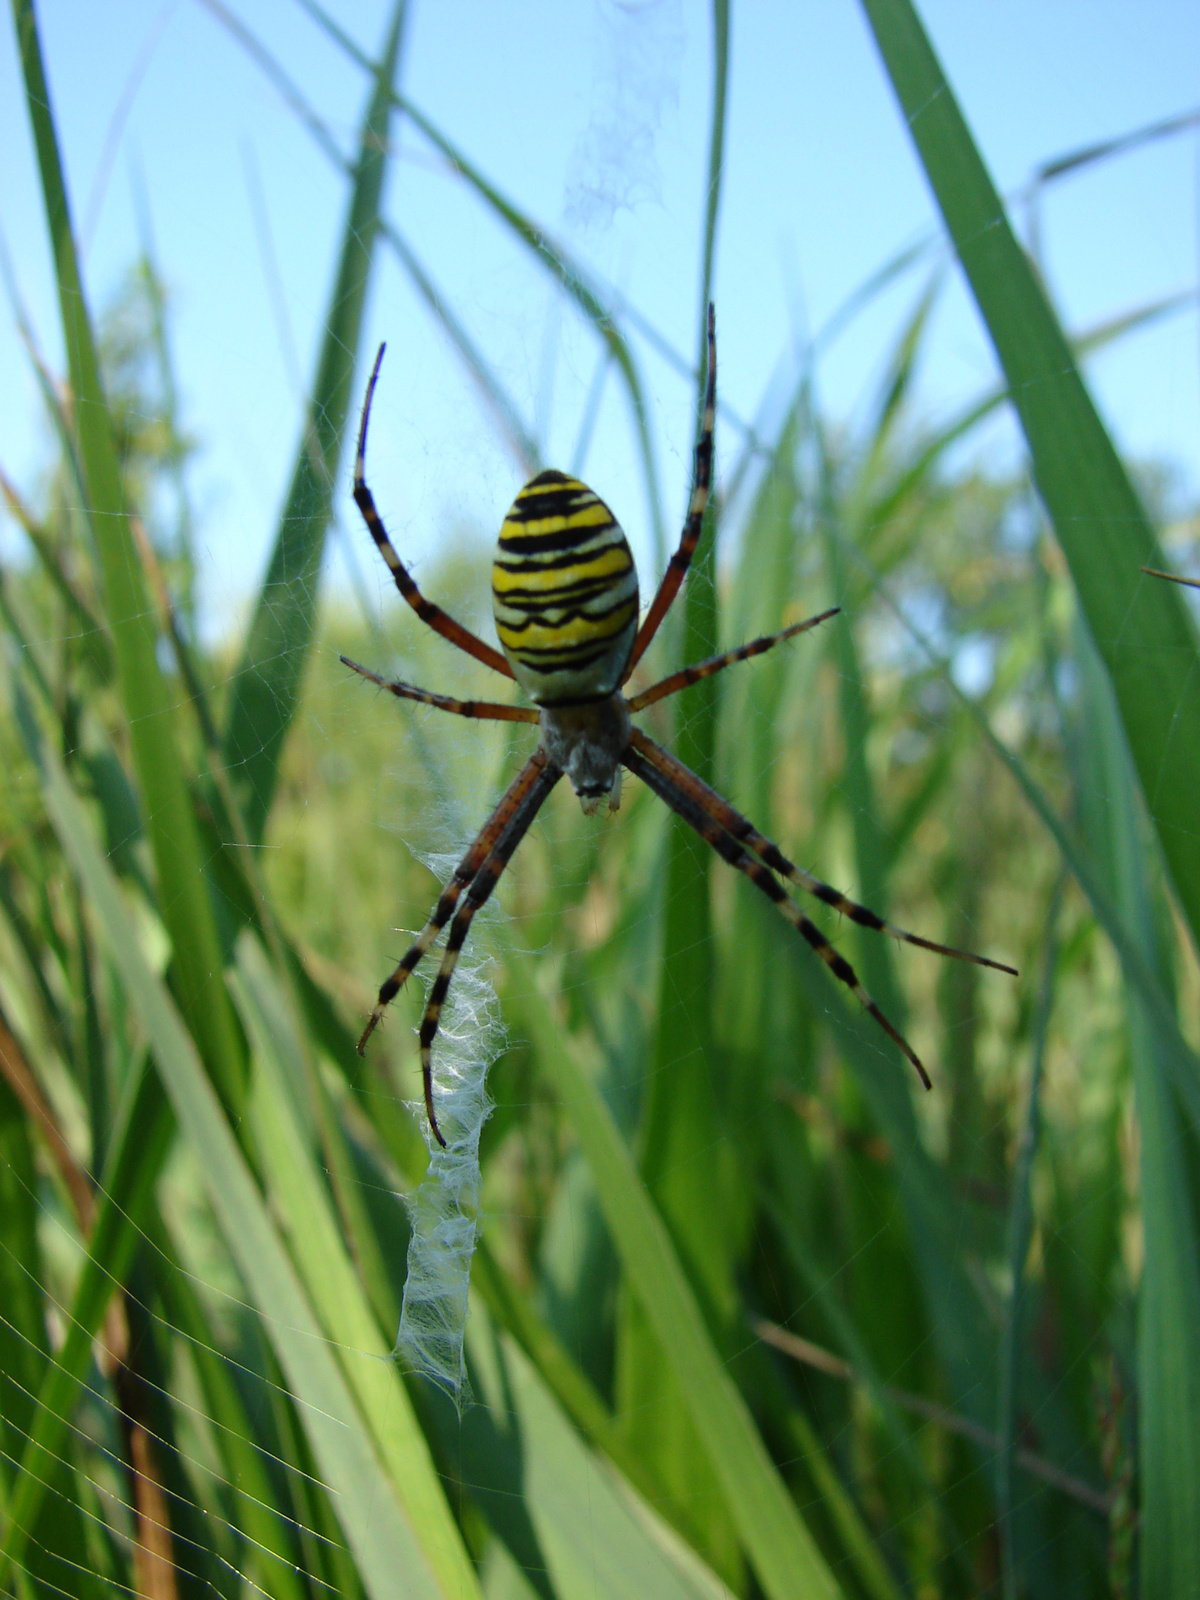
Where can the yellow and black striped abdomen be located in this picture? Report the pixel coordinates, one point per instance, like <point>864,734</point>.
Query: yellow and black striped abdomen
<point>564,592</point>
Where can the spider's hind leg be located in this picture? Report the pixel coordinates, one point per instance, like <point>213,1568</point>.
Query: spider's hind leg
<point>729,849</point>
<point>484,881</point>
<point>708,801</point>
<point>466,870</point>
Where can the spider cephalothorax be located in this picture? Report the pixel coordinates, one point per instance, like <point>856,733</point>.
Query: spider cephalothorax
<point>565,597</point>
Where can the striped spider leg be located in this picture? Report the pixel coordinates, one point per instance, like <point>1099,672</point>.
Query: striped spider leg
<point>706,669</point>
<point>545,776</point>
<point>679,563</point>
<point>433,616</point>
<point>480,710</point>
<point>737,841</point>
<point>478,873</point>
<point>1172,577</point>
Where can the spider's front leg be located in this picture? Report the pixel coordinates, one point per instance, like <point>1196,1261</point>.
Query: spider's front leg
<point>433,616</point>
<point>679,563</point>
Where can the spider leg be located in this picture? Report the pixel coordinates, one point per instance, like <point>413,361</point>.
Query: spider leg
<point>484,881</point>
<point>486,710</point>
<point>1173,577</point>
<point>509,804</point>
<point>727,847</point>
<point>690,537</point>
<point>705,669</point>
<point>436,618</point>
<point>746,833</point>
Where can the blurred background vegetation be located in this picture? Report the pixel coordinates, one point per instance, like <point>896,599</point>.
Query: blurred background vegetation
<point>750,1313</point>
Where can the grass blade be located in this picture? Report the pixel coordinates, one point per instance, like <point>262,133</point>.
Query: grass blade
<point>861,1550</point>
<point>1138,971</point>
<point>170,824</point>
<point>139,1146</point>
<point>593,1534</point>
<point>263,1523</point>
<point>572,1390</point>
<point>267,684</point>
<point>389,1555</point>
<point>770,1528</point>
<point>57,1536</point>
<point>1170,1304</point>
<point>681,1121</point>
<point>138,1156</point>
<point>300,1198</point>
<point>1142,630</point>
<point>1020,1233</point>
<point>1168,1355</point>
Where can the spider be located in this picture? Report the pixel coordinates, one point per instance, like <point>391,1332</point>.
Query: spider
<point>565,599</point>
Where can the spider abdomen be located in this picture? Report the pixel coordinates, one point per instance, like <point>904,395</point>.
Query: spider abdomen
<point>564,592</point>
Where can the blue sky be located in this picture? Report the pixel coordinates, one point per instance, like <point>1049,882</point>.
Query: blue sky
<point>593,117</point>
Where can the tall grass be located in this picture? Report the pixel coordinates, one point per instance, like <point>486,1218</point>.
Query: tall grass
<point>750,1313</point>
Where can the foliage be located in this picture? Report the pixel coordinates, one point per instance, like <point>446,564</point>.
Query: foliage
<point>749,1310</point>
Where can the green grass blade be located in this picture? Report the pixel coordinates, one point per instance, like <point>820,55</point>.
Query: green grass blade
<point>57,1541</point>
<point>389,1555</point>
<point>685,1006</point>
<point>1168,1340</point>
<point>1019,1236</point>
<point>573,1391</point>
<point>1139,973</point>
<point>300,1198</point>
<point>581,1520</point>
<point>1146,133</point>
<point>264,1523</point>
<point>918,468</point>
<point>137,1156</point>
<point>183,896</point>
<point>770,1528</point>
<point>861,1550</point>
<point>870,843</point>
<point>1142,630</point>
<point>139,1145</point>
<point>23,1328</point>
<point>1168,1358</point>
<point>848,1337</point>
<point>964,1336</point>
<point>267,684</point>
<point>1170,1304</point>
<point>681,1117</point>
<point>92,631</point>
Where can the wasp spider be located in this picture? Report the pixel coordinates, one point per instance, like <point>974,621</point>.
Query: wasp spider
<point>565,597</point>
